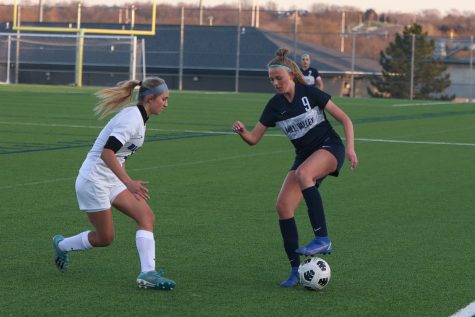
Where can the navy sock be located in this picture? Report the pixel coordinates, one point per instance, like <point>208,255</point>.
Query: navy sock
<point>290,235</point>
<point>315,211</point>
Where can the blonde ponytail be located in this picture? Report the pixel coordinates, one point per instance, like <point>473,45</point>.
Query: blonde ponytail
<point>114,98</point>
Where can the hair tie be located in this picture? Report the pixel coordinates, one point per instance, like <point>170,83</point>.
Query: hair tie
<point>281,66</point>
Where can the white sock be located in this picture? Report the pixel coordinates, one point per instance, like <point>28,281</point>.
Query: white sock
<point>76,243</point>
<point>146,247</point>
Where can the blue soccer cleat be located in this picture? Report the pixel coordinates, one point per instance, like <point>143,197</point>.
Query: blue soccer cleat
<point>153,279</point>
<point>61,258</point>
<point>293,278</point>
<point>319,245</point>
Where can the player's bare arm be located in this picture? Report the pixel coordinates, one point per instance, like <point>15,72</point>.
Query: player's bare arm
<point>135,187</point>
<point>250,137</point>
<point>343,118</point>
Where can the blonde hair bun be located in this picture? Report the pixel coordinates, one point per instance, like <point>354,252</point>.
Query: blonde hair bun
<point>282,52</point>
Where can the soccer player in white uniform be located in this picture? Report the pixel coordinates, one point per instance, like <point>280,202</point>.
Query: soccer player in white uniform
<point>299,110</point>
<point>310,74</point>
<point>103,181</point>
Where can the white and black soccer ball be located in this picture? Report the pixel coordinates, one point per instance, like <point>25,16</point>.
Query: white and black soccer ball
<point>314,273</point>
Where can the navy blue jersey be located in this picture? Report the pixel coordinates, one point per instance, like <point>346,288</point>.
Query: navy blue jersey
<point>303,120</point>
<point>310,75</point>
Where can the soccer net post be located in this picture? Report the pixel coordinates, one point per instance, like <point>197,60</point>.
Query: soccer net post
<point>5,58</point>
<point>70,59</point>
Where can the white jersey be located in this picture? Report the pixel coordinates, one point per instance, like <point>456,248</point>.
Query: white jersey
<point>129,128</point>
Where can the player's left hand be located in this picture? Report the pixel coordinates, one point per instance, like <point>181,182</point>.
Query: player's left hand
<point>138,189</point>
<point>351,156</point>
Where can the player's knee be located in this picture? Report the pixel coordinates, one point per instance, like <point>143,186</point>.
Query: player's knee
<point>303,176</point>
<point>105,239</point>
<point>151,219</point>
<point>147,220</point>
<point>283,209</point>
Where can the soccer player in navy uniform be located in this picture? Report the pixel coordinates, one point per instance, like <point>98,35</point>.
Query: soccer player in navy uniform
<point>103,181</point>
<point>299,110</point>
<point>310,74</point>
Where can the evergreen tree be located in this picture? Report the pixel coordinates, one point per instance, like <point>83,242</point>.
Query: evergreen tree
<point>429,78</point>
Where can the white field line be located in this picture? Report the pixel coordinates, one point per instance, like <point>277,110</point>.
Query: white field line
<point>414,142</point>
<point>468,311</point>
<point>52,125</point>
<point>232,158</point>
<point>429,104</point>
<point>100,127</point>
<point>204,161</point>
<point>192,131</point>
<point>56,180</point>
<point>46,181</point>
<point>230,132</point>
<point>209,92</point>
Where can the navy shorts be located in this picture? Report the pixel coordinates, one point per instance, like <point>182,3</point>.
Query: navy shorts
<point>333,145</point>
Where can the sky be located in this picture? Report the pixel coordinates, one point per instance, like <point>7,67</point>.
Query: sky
<point>409,6</point>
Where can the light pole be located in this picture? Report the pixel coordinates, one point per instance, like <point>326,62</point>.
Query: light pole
<point>238,48</point>
<point>40,11</point>
<point>201,12</point>
<point>182,48</point>
<point>342,44</point>
<point>296,22</point>
<point>413,52</point>
<point>472,48</point>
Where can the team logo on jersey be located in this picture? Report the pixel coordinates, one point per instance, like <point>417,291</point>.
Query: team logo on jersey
<point>133,148</point>
<point>298,126</point>
<point>309,79</point>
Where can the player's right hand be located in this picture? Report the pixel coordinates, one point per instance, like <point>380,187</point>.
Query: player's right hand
<point>238,127</point>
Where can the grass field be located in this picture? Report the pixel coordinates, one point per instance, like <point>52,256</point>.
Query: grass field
<point>402,223</point>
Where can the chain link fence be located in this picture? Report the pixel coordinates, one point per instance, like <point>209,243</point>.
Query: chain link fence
<point>227,49</point>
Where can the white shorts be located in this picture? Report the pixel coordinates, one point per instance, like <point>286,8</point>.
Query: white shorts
<point>97,196</point>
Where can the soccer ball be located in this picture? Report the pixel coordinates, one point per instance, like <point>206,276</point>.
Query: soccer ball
<point>314,273</point>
